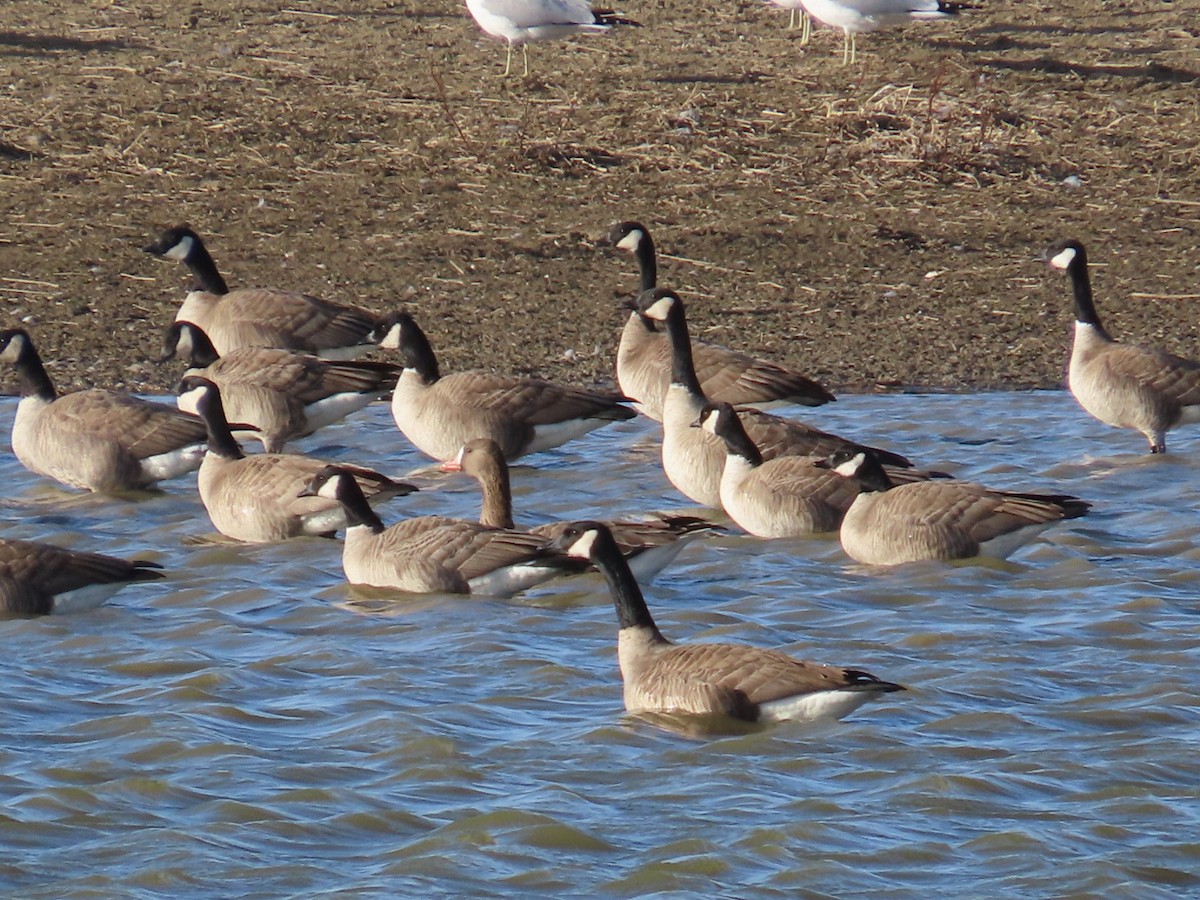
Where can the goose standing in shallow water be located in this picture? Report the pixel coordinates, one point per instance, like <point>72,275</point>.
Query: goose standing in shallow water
<point>692,458</point>
<point>439,413</point>
<point>644,354</point>
<point>520,21</point>
<point>433,554</point>
<point>259,498</point>
<point>37,579</point>
<point>1123,385</point>
<point>284,394</point>
<point>891,524</point>
<point>649,546</point>
<point>724,679</point>
<point>788,496</point>
<point>261,317</point>
<point>95,439</point>
<point>853,16</point>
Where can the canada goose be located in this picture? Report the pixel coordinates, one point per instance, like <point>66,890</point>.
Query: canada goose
<point>727,679</point>
<point>1123,385</point>
<point>439,414</point>
<point>433,553</point>
<point>37,579</point>
<point>258,498</point>
<point>95,439</point>
<point>261,317</point>
<point>650,546</point>
<point>853,16</point>
<point>889,524</point>
<point>520,21</point>
<point>692,458</point>
<point>788,496</point>
<point>644,354</point>
<point>284,394</point>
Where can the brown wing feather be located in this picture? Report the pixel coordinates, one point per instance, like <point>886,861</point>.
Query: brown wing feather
<point>776,436</point>
<point>291,319</point>
<point>1175,378</point>
<point>145,429</point>
<point>303,376</point>
<point>738,378</point>
<point>530,400</point>
<point>760,675</point>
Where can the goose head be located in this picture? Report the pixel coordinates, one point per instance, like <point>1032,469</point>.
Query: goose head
<point>178,243</point>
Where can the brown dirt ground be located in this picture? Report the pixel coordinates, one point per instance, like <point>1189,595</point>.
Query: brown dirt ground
<point>875,225</point>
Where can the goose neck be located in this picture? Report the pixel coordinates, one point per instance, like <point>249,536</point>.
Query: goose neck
<point>497,497</point>
<point>683,368</point>
<point>31,373</point>
<point>1085,304</point>
<point>632,611</point>
<point>221,441</point>
<point>200,263</point>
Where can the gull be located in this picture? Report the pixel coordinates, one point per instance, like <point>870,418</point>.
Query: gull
<point>796,8</point>
<point>522,21</point>
<point>853,16</point>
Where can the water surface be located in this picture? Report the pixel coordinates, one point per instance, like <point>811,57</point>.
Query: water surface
<point>253,727</point>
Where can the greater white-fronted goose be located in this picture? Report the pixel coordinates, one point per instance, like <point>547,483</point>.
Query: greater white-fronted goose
<point>890,524</point>
<point>644,354</point>
<point>650,546</point>
<point>284,394</point>
<point>259,498</point>
<point>736,680</point>
<point>95,439</point>
<point>520,21</point>
<point>262,317</point>
<point>37,579</point>
<point>1123,385</point>
<point>788,496</point>
<point>692,458</point>
<point>439,413</point>
<point>431,554</point>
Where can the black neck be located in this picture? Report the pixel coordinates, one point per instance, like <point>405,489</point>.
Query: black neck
<point>204,270</point>
<point>354,503</point>
<point>737,442</point>
<point>647,261</point>
<point>1081,284</point>
<point>201,352</point>
<point>220,438</point>
<point>416,352</point>
<point>683,369</point>
<point>632,611</point>
<point>32,374</point>
<point>872,476</point>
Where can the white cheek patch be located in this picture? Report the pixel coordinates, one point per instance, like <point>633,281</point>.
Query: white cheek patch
<point>189,401</point>
<point>583,546</point>
<point>391,340</point>
<point>659,309</point>
<point>710,421</point>
<point>631,241</point>
<point>850,467</point>
<point>181,250</point>
<point>1063,258</point>
<point>329,490</point>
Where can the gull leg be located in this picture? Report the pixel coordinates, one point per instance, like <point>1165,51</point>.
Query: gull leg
<point>507,62</point>
<point>792,20</point>
<point>805,28</point>
<point>525,54</point>
<point>845,46</point>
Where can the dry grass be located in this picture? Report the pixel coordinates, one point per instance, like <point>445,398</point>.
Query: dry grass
<point>874,224</point>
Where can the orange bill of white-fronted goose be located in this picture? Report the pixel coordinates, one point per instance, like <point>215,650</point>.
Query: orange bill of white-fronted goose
<point>644,354</point>
<point>692,458</point>
<point>890,524</point>
<point>1123,385</point>
<point>788,496</point>
<point>735,680</point>
<point>284,394</point>
<point>95,439</point>
<point>37,579</point>
<point>258,498</point>
<point>439,413</point>
<point>434,554</point>
<point>261,317</point>
<point>650,546</point>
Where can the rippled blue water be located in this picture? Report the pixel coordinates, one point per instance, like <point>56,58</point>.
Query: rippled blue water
<point>253,727</point>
